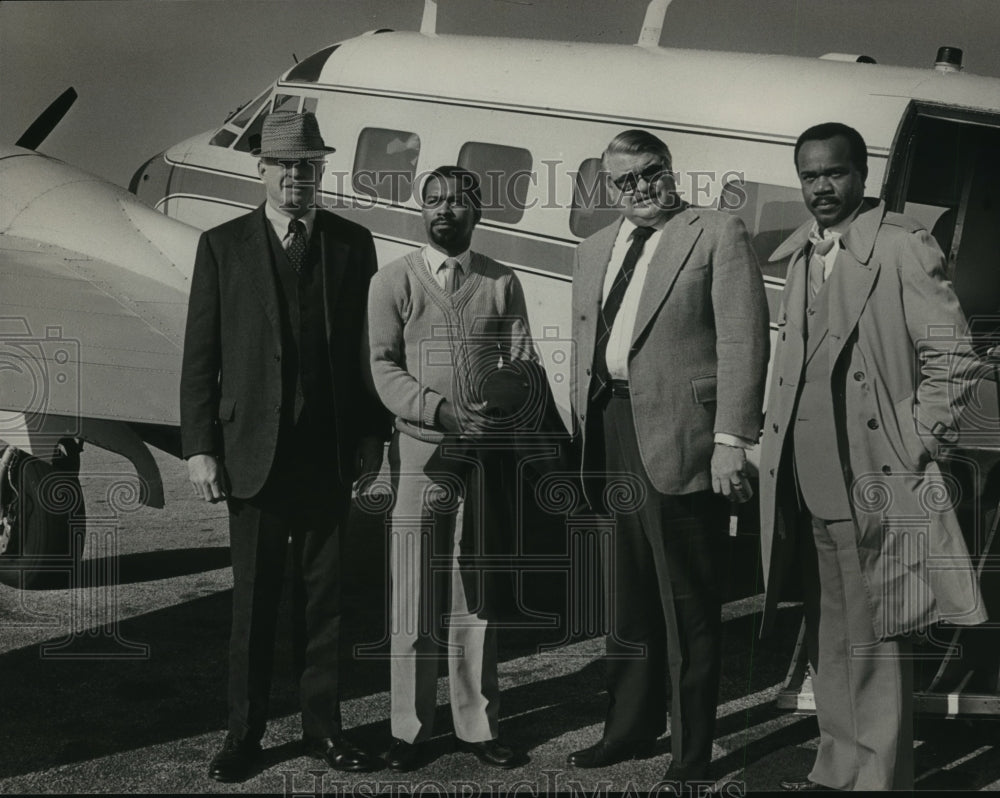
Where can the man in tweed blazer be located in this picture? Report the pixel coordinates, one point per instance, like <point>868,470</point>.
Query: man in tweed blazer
<point>440,320</point>
<point>671,329</point>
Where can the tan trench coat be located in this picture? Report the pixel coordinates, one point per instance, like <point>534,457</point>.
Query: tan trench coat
<point>900,365</point>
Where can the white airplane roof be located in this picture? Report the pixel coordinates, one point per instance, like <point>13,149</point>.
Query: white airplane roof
<point>769,96</point>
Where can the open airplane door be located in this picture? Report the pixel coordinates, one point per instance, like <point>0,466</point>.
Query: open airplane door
<point>945,172</point>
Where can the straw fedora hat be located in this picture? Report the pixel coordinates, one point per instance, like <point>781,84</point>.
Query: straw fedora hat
<point>290,135</point>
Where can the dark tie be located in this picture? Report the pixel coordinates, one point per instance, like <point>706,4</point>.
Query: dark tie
<point>817,264</point>
<point>606,318</point>
<point>451,269</point>
<point>296,249</point>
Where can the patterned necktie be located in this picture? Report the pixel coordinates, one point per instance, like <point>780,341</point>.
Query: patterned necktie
<point>817,263</point>
<point>451,271</point>
<point>611,306</point>
<point>296,249</point>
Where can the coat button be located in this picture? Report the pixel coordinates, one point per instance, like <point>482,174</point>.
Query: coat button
<point>781,380</point>
<point>782,336</point>
<point>277,358</point>
<point>886,469</point>
<point>872,424</point>
<point>774,427</point>
<point>772,472</point>
<point>859,376</point>
<point>277,409</point>
<point>588,372</point>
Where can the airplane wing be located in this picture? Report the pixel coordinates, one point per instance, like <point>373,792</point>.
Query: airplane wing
<point>93,296</point>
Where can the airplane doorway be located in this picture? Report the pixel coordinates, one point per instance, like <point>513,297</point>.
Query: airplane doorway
<point>945,172</point>
<point>949,179</point>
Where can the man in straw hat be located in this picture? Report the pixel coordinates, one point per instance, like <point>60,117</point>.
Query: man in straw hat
<point>276,422</point>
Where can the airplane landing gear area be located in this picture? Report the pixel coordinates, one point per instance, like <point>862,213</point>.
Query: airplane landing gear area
<point>42,518</point>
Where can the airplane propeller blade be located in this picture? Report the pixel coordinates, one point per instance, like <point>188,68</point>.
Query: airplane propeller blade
<point>47,120</point>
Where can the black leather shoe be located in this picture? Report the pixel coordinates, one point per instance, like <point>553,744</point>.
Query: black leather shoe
<point>492,752</point>
<point>341,754</point>
<point>235,760</point>
<point>683,775</point>
<point>802,785</point>
<point>600,755</point>
<point>403,756</point>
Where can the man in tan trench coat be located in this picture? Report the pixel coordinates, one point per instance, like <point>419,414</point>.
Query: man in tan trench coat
<point>870,370</point>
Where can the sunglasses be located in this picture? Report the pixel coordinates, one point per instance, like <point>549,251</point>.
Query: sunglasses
<point>628,183</point>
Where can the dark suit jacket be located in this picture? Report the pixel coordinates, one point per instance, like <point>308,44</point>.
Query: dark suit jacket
<point>699,346</point>
<point>231,389</point>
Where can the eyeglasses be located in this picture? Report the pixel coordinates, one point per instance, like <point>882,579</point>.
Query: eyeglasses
<point>628,183</point>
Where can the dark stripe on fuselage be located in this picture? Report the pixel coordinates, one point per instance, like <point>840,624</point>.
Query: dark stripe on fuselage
<point>548,255</point>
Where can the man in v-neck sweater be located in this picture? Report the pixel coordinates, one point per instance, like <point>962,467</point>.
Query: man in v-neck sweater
<point>440,319</point>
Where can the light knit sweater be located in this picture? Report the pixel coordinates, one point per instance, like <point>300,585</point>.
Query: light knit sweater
<point>427,345</point>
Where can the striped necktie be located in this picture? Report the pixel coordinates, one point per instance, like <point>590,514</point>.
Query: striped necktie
<point>611,306</point>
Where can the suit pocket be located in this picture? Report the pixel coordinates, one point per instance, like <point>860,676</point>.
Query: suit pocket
<point>227,409</point>
<point>704,389</point>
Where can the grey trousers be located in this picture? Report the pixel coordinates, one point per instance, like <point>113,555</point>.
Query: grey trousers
<point>429,615</point>
<point>863,686</point>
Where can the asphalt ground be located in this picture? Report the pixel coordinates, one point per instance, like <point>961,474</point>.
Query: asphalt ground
<point>116,683</point>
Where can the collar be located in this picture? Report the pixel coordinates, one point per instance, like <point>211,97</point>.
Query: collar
<point>435,258</point>
<point>835,231</point>
<point>279,220</point>
<point>858,235</point>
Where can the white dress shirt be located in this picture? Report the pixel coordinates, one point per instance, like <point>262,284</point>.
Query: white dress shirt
<point>620,340</point>
<point>435,258</point>
<point>835,232</point>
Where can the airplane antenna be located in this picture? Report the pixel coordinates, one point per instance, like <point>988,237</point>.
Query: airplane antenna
<point>47,120</point>
<point>428,24</point>
<point>652,25</point>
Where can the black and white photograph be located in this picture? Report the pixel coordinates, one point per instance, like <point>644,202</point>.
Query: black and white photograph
<point>499,397</point>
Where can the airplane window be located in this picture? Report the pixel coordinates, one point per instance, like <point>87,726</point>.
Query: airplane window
<point>504,173</point>
<point>245,115</point>
<point>385,164</point>
<point>771,214</point>
<point>593,204</point>
<point>286,102</point>
<point>250,140</point>
<point>223,138</point>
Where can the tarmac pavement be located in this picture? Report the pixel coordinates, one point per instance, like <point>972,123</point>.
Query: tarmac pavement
<point>116,685</point>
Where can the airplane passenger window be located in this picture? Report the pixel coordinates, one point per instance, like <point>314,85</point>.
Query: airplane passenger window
<point>385,164</point>
<point>771,214</point>
<point>593,204</point>
<point>504,173</point>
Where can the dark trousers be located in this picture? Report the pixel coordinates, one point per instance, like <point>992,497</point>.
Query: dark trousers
<point>665,600</point>
<point>306,515</point>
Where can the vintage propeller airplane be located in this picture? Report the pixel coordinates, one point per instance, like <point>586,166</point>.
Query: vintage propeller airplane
<point>532,118</point>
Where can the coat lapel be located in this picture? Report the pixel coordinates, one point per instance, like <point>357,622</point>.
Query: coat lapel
<point>676,241</point>
<point>855,276</point>
<point>334,256</point>
<point>255,254</point>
